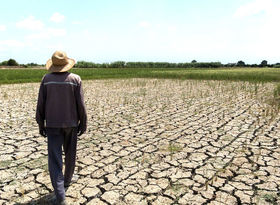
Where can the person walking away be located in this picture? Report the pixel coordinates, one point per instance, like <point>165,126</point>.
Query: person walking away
<point>61,116</point>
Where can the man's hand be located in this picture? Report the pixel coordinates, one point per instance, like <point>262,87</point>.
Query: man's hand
<point>42,130</point>
<point>80,131</point>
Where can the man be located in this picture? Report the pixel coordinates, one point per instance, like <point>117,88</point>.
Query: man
<point>61,116</point>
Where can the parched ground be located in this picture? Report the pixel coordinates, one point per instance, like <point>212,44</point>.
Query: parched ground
<point>151,141</point>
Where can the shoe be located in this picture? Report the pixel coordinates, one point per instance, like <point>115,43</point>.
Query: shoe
<point>62,203</point>
<point>74,179</point>
<point>54,201</point>
<point>66,188</point>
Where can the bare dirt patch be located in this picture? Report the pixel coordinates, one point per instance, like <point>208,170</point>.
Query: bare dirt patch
<point>151,142</point>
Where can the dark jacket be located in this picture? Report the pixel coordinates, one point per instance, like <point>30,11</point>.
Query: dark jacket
<point>61,101</point>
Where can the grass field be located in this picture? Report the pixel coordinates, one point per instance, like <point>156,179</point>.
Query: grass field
<point>8,76</point>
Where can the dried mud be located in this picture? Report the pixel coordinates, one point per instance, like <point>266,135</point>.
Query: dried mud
<point>150,141</point>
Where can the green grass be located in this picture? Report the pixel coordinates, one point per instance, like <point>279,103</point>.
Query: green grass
<point>8,76</point>
<point>5,163</point>
<point>174,148</point>
<point>271,198</point>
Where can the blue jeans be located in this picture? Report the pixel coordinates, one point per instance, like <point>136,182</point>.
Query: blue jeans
<point>58,138</point>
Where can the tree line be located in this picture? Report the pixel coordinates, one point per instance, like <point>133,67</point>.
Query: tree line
<point>123,64</point>
<point>14,63</point>
<point>192,64</point>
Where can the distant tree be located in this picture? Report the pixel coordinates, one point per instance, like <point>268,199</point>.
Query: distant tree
<point>85,64</point>
<point>270,65</point>
<point>117,64</point>
<point>240,64</point>
<point>194,61</point>
<point>253,65</point>
<point>32,64</point>
<point>4,63</point>
<point>276,65</point>
<point>263,63</point>
<point>12,62</point>
<point>208,65</point>
<point>123,64</point>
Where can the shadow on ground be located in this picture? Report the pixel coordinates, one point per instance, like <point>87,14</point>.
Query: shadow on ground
<point>44,200</point>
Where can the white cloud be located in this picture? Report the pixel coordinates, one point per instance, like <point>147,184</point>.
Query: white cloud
<point>144,24</point>
<point>3,28</point>
<point>47,34</point>
<point>56,32</point>
<point>261,38</point>
<point>57,17</point>
<point>11,43</point>
<point>172,29</point>
<point>53,47</point>
<point>76,22</point>
<point>30,23</point>
<point>256,7</point>
<point>40,31</point>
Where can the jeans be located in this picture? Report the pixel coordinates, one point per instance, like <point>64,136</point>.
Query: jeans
<point>58,138</point>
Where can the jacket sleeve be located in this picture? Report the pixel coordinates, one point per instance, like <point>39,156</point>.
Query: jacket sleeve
<point>81,108</point>
<point>40,111</point>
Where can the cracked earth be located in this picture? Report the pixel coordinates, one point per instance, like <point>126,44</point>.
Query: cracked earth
<point>150,141</point>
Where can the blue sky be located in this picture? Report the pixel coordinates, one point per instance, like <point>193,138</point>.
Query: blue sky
<point>141,30</point>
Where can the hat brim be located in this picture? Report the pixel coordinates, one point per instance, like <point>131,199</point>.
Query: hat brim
<point>54,68</point>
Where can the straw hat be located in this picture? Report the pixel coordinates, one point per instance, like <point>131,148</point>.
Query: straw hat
<point>59,62</point>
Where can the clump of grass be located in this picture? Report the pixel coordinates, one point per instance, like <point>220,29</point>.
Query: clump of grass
<point>270,112</point>
<point>276,96</point>
<point>5,163</point>
<point>40,162</point>
<point>128,117</point>
<point>5,95</point>
<point>173,148</point>
<point>178,187</point>
<point>142,92</point>
<point>271,198</point>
